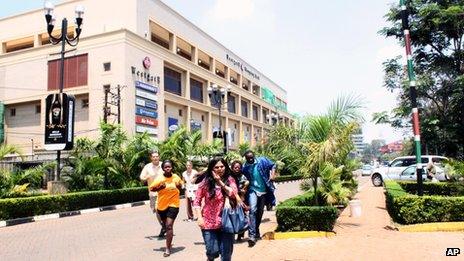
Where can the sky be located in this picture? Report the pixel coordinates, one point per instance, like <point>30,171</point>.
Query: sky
<point>316,50</point>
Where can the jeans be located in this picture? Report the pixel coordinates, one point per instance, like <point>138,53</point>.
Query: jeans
<point>256,214</point>
<point>218,243</point>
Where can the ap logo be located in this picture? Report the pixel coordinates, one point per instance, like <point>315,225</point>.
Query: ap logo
<point>452,251</point>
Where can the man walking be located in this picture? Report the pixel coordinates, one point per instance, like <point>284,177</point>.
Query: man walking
<point>150,172</point>
<point>261,173</point>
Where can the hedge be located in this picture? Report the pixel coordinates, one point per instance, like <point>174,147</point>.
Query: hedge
<point>296,214</point>
<point>31,206</point>
<point>405,208</point>
<point>440,188</point>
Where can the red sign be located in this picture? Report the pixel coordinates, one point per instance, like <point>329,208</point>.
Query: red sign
<point>146,121</point>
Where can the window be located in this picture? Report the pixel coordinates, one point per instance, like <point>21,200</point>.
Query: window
<point>231,104</point>
<point>180,112</point>
<point>255,113</point>
<point>172,81</point>
<point>196,90</point>
<point>13,112</point>
<point>85,103</point>
<point>244,109</point>
<point>202,117</point>
<point>160,41</point>
<point>37,109</point>
<point>76,72</point>
<point>264,116</point>
<point>107,67</point>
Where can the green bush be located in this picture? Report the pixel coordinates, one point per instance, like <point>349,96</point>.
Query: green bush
<point>301,218</point>
<point>32,206</point>
<point>405,208</point>
<point>438,189</point>
<point>297,214</point>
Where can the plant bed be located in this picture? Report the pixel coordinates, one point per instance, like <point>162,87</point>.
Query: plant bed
<point>31,206</point>
<point>296,214</point>
<point>405,208</point>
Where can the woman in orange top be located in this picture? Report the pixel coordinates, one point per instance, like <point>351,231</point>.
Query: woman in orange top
<point>168,187</point>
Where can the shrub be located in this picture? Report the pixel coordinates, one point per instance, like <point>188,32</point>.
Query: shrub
<point>405,208</point>
<point>31,206</point>
<point>301,218</point>
<point>297,214</point>
<point>441,189</point>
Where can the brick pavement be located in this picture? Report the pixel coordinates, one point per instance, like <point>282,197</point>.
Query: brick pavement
<point>129,234</point>
<point>126,234</point>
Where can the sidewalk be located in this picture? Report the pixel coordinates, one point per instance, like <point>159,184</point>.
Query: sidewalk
<point>365,238</point>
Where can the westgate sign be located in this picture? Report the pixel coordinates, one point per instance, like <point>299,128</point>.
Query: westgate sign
<point>242,67</point>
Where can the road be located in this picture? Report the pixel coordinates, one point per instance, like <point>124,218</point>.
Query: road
<point>126,234</point>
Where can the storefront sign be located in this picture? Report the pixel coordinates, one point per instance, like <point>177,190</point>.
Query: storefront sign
<point>146,87</point>
<point>59,122</point>
<point>145,95</point>
<point>147,129</point>
<point>146,112</point>
<point>241,66</point>
<point>146,103</point>
<point>146,121</point>
<point>195,126</point>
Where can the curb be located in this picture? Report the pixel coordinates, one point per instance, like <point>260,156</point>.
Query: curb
<point>297,234</point>
<point>433,227</point>
<point>17,221</point>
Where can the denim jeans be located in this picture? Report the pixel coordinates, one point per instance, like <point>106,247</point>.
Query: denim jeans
<point>218,243</point>
<point>256,214</point>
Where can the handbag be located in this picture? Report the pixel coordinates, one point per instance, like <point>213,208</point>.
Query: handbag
<point>234,220</point>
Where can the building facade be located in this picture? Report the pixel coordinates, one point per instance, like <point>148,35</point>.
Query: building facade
<point>358,142</point>
<point>141,54</point>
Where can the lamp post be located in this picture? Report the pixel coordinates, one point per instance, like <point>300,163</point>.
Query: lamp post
<point>63,39</point>
<point>217,97</point>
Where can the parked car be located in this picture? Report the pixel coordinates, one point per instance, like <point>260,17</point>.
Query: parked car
<point>366,170</point>
<point>396,169</point>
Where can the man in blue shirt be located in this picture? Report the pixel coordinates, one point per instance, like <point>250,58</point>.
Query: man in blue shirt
<point>261,173</point>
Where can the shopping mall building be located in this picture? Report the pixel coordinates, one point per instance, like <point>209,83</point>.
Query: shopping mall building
<point>161,64</point>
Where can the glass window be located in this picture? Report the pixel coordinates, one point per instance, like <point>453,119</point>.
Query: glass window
<point>37,109</point>
<point>244,109</point>
<point>85,103</point>
<point>13,112</point>
<point>172,81</point>
<point>397,163</point>
<point>196,90</point>
<point>231,104</point>
<point>255,113</point>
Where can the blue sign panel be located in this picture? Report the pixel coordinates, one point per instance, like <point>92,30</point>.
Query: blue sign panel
<point>146,87</point>
<point>146,103</point>
<point>146,112</point>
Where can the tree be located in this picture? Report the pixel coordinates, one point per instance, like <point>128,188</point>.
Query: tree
<point>437,29</point>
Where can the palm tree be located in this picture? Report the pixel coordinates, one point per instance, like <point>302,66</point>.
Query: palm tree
<point>327,138</point>
<point>6,149</point>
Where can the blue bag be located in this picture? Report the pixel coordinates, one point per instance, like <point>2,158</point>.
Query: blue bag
<point>234,220</point>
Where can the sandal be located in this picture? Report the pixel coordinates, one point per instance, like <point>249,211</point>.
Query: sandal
<point>167,253</point>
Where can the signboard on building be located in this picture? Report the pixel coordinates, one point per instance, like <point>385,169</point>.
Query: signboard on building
<point>59,122</point>
<point>146,109</point>
<point>195,126</point>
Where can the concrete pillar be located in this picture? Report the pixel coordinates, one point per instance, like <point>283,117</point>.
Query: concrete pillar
<point>212,63</point>
<point>209,127</point>
<point>37,41</point>
<point>240,132</point>
<point>208,100</point>
<point>227,73</point>
<point>252,136</point>
<point>194,52</point>
<point>3,48</point>
<point>187,85</point>
<point>240,81</point>
<point>188,118</point>
<point>172,43</point>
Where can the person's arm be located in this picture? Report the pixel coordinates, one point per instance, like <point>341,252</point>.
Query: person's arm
<point>157,185</point>
<point>144,174</point>
<point>179,183</point>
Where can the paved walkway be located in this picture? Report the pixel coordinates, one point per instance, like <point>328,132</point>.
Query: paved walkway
<point>129,234</point>
<point>126,234</point>
<point>363,238</point>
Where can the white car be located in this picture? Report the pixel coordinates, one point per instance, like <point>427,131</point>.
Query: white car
<point>366,170</point>
<point>403,168</point>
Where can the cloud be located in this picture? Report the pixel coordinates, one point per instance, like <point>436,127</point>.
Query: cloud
<point>224,10</point>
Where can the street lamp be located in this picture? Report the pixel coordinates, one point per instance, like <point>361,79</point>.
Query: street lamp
<point>63,39</point>
<point>217,97</point>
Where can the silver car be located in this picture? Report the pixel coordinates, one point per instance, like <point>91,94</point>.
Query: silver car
<point>409,173</point>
